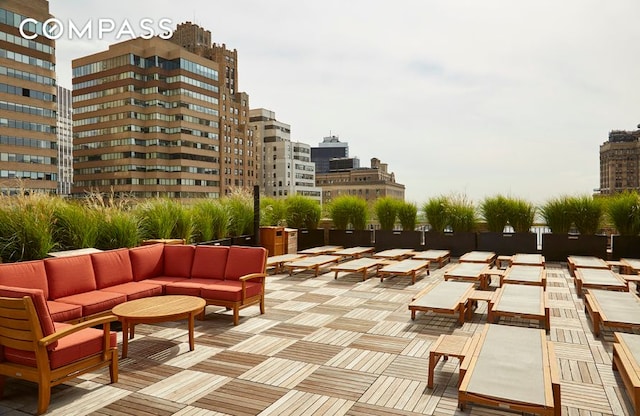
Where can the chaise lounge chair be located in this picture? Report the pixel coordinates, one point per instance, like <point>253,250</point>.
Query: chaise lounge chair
<point>612,309</point>
<point>443,297</point>
<point>520,301</point>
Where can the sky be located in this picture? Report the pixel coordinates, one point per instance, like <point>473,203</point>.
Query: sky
<point>470,98</point>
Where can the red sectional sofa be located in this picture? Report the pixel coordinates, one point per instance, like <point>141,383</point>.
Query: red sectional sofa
<point>80,287</point>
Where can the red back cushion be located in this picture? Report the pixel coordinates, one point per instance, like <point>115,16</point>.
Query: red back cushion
<point>29,274</point>
<point>177,260</point>
<point>112,267</point>
<point>209,262</point>
<point>245,260</point>
<point>147,261</point>
<point>40,303</point>
<point>69,276</point>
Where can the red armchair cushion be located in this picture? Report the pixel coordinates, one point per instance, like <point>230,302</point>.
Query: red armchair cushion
<point>229,290</point>
<point>29,274</point>
<point>136,290</point>
<point>147,261</point>
<point>95,301</point>
<point>69,276</point>
<point>64,312</point>
<point>112,267</point>
<point>74,347</point>
<point>36,295</point>
<point>209,262</point>
<point>178,260</point>
<point>245,260</point>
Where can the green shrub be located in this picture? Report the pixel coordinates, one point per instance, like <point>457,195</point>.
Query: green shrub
<point>407,215</point>
<point>119,228</point>
<point>26,227</point>
<point>210,220</point>
<point>587,213</point>
<point>495,211</point>
<point>462,214</point>
<point>437,210</point>
<point>76,225</point>
<point>159,218</point>
<point>623,210</point>
<point>302,212</point>
<point>239,205</point>
<point>348,209</point>
<point>522,215</point>
<point>273,211</point>
<point>386,209</point>
<point>557,214</point>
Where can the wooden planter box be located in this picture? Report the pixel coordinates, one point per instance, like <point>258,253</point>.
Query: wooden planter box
<point>457,243</point>
<point>507,244</point>
<point>310,238</point>
<point>625,246</point>
<point>557,247</point>
<point>388,239</point>
<point>350,238</point>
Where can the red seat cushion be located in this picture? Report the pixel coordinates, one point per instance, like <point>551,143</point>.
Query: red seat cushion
<point>178,260</point>
<point>31,274</point>
<point>229,290</point>
<point>189,287</point>
<point>71,348</point>
<point>69,276</point>
<point>147,261</point>
<point>112,267</point>
<point>36,295</point>
<point>136,290</point>
<point>64,312</point>
<point>209,262</point>
<point>245,260</point>
<point>95,301</point>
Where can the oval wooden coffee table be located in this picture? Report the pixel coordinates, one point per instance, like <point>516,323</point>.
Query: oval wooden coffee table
<point>157,309</point>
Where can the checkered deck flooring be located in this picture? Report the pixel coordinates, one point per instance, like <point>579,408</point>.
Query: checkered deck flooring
<point>325,347</point>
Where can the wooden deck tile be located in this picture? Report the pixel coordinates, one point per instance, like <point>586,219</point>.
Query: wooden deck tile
<point>337,382</point>
<point>241,398</point>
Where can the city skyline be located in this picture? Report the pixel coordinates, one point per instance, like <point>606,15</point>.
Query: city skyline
<point>457,97</point>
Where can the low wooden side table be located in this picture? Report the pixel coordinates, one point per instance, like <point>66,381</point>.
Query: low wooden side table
<point>478,295</point>
<point>632,278</point>
<point>503,259</point>
<point>447,346</point>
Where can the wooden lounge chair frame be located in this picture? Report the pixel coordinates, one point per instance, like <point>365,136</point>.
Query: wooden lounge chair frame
<point>523,259</point>
<point>442,257</point>
<point>406,267</point>
<point>456,305</point>
<point>475,256</point>
<point>598,313</point>
<point>580,279</point>
<point>542,315</point>
<point>353,252</point>
<point>394,254</point>
<point>506,278</point>
<point>314,251</point>
<point>586,262</point>
<point>358,266</point>
<point>312,263</point>
<point>278,262</point>
<point>482,277</point>
<point>628,367</point>
<point>549,372</point>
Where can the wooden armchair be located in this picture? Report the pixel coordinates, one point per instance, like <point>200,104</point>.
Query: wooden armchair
<point>33,348</point>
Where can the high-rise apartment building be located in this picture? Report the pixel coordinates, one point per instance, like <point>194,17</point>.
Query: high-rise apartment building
<point>146,121</point>
<point>367,183</point>
<point>620,162</point>
<point>28,138</point>
<point>239,149</point>
<point>65,140</point>
<point>330,148</point>
<point>287,168</point>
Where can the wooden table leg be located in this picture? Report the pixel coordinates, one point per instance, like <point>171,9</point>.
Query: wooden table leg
<point>125,338</point>
<point>191,331</point>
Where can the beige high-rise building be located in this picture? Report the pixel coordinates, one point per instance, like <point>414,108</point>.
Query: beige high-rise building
<point>28,141</point>
<point>65,140</point>
<point>239,147</point>
<point>367,183</point>
<point>620,162</point>
<point>152,118</point>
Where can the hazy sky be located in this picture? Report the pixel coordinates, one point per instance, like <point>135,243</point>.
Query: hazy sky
<point>458,97</point>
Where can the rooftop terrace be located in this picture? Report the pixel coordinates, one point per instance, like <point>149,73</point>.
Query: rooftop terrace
<point>326,347</point>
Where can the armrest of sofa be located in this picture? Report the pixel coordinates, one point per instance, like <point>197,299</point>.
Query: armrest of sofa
<point>104,320</point>
<point>251,276</point>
